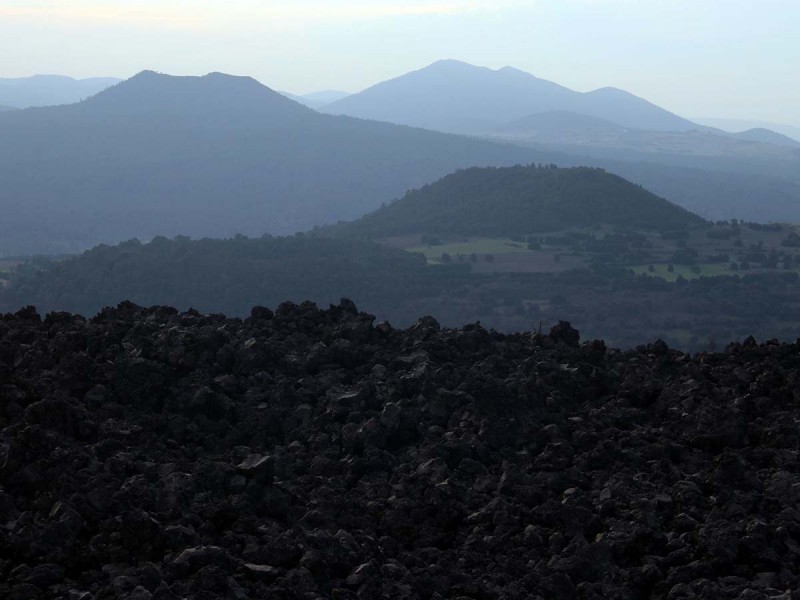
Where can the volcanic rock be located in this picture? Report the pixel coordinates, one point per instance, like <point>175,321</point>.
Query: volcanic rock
<point>307,453</point>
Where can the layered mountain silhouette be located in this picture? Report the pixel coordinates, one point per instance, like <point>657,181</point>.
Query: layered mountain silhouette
<point>576,132</point>
<point>521,200</point>
<point>558,125</point>
<point>205,156</point>
<point>49,90</point>
<point>220,155</point>
<point>454,96</point>
<point>743,125</point>
<point>766,136</point>
<point>325,97</point>
<point>317,100</point>
<point>508,103</point>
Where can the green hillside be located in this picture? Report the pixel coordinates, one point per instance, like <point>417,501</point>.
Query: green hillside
<point>521,200</point>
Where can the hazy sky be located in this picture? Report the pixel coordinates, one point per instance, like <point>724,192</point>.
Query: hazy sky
<point>699,58</point>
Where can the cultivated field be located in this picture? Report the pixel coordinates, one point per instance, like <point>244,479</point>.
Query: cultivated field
<point>724,249</point>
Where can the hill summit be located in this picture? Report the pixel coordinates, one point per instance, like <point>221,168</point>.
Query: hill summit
<point>520,200</point>
<point>215,94</point>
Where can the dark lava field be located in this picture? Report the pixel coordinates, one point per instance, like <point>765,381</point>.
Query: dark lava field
<point>308,453</point>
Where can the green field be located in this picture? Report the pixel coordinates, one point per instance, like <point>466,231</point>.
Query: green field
<point>7,265</point>
<point>765,250</point>
<point>478,247</point>
<point>706,270</point>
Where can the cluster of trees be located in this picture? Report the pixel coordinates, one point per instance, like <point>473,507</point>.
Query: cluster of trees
<point>212,275</point>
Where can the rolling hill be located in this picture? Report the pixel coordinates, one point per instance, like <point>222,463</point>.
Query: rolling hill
<point>558,125</point>
<point>522,200</point>
<point>205,156</point>
<point>766,136</point>
<point>50,90</point>
<point>740,125</point>
<point>458,97</point>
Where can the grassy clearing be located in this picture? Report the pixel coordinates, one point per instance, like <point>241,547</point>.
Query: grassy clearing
<point>706,270</point>
<point>7,265</point>
<point>764,249</point>
<point>478,247</point>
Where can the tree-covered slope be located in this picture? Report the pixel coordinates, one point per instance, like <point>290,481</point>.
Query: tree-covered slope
<point>766,136</point>
<point>520,200</point>
<point>211,274</point>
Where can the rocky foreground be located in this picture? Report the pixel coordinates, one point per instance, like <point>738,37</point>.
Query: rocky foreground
<point>311,453</point>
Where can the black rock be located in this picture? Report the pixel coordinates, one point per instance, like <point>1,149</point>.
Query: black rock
<point>305,453</point>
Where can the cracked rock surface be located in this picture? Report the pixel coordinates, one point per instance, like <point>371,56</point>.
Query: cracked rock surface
<point>307,453</point>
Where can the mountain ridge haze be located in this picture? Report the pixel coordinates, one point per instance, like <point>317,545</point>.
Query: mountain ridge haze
<point>455,96</point>
<point>205,156</point>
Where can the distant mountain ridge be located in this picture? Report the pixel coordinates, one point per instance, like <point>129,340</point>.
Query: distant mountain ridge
<point>326,96</point>
<point>743,125</point>
<point>50,90</point>
<point>204,156</point>
<point>766,136</point>
<point>510,104</point>
<point>555,124</point>
<point>219,155</point>
<point>575,132</point>
<point>521,200</point>
<point>317,100</point>
<point>458,97</point>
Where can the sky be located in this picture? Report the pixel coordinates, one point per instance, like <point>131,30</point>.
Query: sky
<point>699,58</point>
